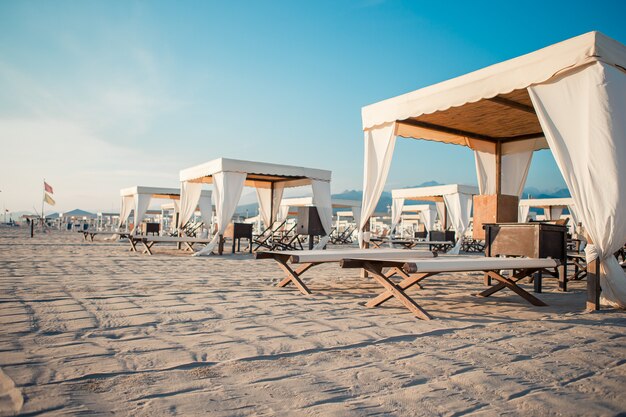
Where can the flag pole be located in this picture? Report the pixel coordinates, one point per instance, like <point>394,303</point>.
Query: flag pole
<point>43,199</point>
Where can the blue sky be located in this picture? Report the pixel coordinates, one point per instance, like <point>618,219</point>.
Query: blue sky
<point>96,96</point>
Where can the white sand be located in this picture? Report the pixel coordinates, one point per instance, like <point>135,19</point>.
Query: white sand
<point>90,327</point>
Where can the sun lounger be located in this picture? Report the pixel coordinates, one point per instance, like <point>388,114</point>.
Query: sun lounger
<point>419,269</point>
<point>149,241</point>
<point>88,235</point>
<point>438,246</point>
<point>307,259</point>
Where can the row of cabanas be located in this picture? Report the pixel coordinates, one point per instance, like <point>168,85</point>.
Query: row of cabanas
<point>569,97</point>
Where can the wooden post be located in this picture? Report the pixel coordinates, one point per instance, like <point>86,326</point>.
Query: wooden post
<point>498,167</point>
<point>444,223</point>
<point>366,245</point>
<point>593,285</point>
<point>220,246</point>
<point>32,228</point>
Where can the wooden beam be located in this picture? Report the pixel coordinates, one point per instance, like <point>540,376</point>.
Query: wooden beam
<point>513,104</point>
<point>498,167</point>
<point>444,129</point>
<point>471,135</point>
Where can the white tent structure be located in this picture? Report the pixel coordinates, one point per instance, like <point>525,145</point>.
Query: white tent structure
<point>452,201</point>
<point>288,203</point>
<point>552,208</point>
<point>569,97</point>
<point>138,198</point>
<point>229,176</point>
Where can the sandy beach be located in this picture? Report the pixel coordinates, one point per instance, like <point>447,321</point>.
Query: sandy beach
<point>93,328</point>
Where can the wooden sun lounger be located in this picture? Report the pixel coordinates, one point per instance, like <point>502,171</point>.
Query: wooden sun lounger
<point>88,235</point>
<point>307,259</point>
<point>149,241</point>
<point>417,270</point>
<point>438,246</point>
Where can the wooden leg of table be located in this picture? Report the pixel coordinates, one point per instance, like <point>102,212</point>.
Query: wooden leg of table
<point>510,284</point>
<point>294,277</point>
<point>562,271</point>
<point>537,282</point>
<point>397,292</point>
<point>487,279</point>
<point>521,274</point>
<point>593,285</point>
<point>406,283</point>
<point>147,246</point>
<point>133,247</point>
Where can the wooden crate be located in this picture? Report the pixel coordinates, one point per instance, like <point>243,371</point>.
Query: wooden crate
<point>496,208</point>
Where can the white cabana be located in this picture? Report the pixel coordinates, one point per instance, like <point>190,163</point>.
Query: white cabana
<point>552,208</point>
<point>427,214</point>
<point>229,176</point>
<point>569,97</point>
<point>138,198</point>
<point>452,201</point>
<point>287,203</point>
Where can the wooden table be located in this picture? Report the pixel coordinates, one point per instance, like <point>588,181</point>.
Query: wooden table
<point>532,240</point>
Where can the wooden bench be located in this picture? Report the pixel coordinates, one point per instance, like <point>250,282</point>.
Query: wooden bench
<point>415,271</point>
<point>306,259</point>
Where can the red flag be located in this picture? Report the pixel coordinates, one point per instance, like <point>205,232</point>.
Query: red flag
<point>47,187</point>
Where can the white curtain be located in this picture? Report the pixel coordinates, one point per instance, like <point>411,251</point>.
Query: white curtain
<point>269,202</point>
<point>206,210</point>
<point>396,212</point>
<point>190,193</point>
<point>322,200</point>
<point>575,218</point>
<point>227,191</point>
<point>522,213</point>
<point>553,213</point>
<point>128,203</point>
<point>379,145</point>
<point>356,214</point>
<point>459,207</point>
<point>428,216</point>
<point>441,212</point>
<point>582,115</point>
<point>142,202</point>
<point>516,160</point>
<point>283,212</point>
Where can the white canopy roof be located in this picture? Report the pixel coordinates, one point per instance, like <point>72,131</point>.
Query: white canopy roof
<point>156,192</point>
<point>416,208</point>
<point>547,202</point>
<point>257,172</point>
<point>498,90</point>
<point>434,191</point>
<point>308,201</point>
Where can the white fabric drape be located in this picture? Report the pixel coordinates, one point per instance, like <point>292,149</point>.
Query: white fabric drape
<point>553,213</point>
<point>428,216</point>
<point>128,203</point>
<point>283,212</point>
<point>356,214</point>
<point>189,196</point>
<point>379,145</point>
<point>572,212</point>
<point>441,212</point>
<point>522,213</point>
<point>582,116</point>
<point>269,202</point>
<point>206,210</point>
<point>514,168</point>
<point>142,202</point>
<point>322,200</point>
<point>396,212</point>
<point>227,191</point>
<point>459,206</point>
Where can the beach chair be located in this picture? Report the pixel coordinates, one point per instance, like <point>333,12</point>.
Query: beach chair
<point>265,238</point>
<point>418,270</point>
<point>149,241</point>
